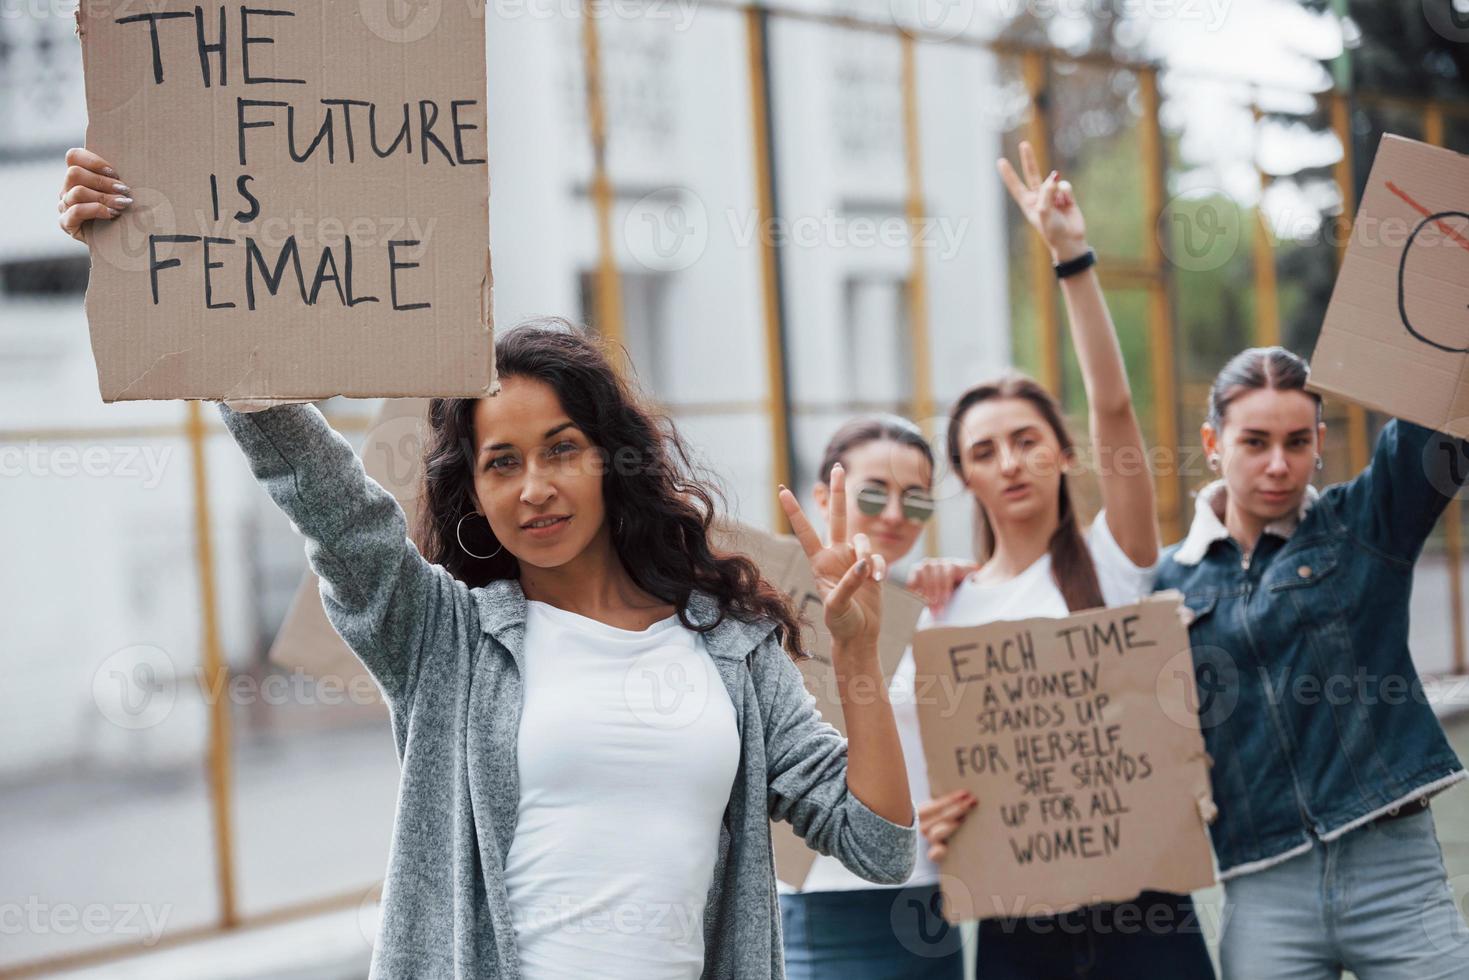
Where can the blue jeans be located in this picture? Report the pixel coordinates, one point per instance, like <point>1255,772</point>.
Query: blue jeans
<point>1375,901</point>
<point>870,934</point>
<point>1156,935</point>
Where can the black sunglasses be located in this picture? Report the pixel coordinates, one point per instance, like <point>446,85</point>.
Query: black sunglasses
<point>918,505</point>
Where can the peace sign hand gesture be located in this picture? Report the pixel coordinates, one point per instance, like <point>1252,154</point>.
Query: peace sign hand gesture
<point>848,574</point>
<point>1047,204</point>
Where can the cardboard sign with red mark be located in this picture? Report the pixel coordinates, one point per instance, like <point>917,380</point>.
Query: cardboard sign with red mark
<point>1397,328</point>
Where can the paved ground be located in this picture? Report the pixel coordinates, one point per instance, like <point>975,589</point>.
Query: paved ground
<point>338,946</point>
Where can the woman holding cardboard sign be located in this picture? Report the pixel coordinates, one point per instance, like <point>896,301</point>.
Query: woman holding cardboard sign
<point>1325,749</point>
<point>1009,443</point>
<point>838,925</point>
<point>597,714</point>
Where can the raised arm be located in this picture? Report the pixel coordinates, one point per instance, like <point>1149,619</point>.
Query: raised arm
<point>1394,503</point>
<point>378,592</point>
<point>849,797</point>
<point>1117,440</point>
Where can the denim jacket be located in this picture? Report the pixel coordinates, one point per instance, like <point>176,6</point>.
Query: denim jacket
<point>1312,712</point>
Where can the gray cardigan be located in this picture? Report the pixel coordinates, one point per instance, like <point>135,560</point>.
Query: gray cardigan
<point>449,661</point>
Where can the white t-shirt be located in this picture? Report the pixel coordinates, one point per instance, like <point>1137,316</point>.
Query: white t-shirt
<point>1031,593</point>
<point>628,749</point>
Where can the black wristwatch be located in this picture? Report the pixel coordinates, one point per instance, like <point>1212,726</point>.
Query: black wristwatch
<point>1081,263</point>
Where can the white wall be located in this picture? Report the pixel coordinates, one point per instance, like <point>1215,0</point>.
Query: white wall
<point>97,564</point>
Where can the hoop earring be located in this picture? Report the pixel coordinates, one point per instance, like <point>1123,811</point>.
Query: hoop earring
<point>458,536</point>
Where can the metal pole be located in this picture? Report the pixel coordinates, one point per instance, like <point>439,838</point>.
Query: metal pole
<point>1267,298</point>
<point>1346,185</point>
<point>1042,276</point>
<point>918,313</point>
<point>1164,363</point>
<point>777,378</point>
<point>217,676</point>
<point>608,302</point>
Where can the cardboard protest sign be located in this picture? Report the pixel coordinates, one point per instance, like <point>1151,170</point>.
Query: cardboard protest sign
<point>1080,738</point>
<point>1397,327</point>
<point>392,454</point>
<point>311,192</point>
<point>783,563</point>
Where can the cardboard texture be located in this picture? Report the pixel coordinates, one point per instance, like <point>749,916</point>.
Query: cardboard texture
<point>311,211</point>
<point>1397,327</point>
<point>1080,738</point>
<point>392,454</point>
<point>784,565</point>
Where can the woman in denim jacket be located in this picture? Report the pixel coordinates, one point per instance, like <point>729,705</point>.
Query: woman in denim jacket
<point>1325,751</point>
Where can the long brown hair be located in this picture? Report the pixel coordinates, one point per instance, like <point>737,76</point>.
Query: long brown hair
<point>659,505</point>
<point>1071,563</point>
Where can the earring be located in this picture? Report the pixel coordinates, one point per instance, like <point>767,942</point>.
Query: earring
<point>1214,462</point>
<point>458,535</point>
<point>1320,463</point>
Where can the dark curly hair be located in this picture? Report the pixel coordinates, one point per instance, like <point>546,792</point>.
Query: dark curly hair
<point>660,506</point>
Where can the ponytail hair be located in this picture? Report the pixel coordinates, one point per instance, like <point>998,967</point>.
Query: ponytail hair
<point>1252,370</point>
<point>1072,567</point>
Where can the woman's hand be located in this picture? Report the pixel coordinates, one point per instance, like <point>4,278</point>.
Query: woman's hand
<point>936,579</point>
<point>847,573</point>
<point>938,819</point>
<point>1047,204</point>
<point>91,190</point>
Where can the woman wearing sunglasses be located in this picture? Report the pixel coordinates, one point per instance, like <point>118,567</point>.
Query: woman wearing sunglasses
<point>1009,443</point>
<point>839,925</point>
